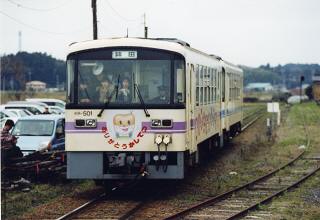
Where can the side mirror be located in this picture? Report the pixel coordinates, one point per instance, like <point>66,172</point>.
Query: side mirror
<point>59,132</point>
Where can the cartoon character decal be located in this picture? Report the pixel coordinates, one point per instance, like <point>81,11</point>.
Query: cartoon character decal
<point>124,125</point>
<point>124,132</point>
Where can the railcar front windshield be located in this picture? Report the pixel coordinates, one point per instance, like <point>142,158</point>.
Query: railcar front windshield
<point>119,75</point>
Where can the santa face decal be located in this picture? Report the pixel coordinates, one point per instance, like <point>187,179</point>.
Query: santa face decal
<point>124,125</point>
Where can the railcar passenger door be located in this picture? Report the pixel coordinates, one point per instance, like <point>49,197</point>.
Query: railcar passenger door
<point>223,99</point>
<point>190,107</point>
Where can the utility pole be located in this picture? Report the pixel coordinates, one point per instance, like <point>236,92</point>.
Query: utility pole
<point>301,81</point>
<point>94,13</point>
<point>20,40</point>
<point>145,26</point>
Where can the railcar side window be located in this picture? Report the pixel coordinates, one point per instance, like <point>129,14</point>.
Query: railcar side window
<point>205,85</point>
<point>215,85</point>
<point>201,86</point>
<point>197,85</point>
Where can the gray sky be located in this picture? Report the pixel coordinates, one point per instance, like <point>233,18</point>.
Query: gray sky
<point>249,32</point>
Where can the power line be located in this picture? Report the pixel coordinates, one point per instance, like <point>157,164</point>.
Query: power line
<point>38,9</point>
<point>38,29</point>
<point>119,15</point>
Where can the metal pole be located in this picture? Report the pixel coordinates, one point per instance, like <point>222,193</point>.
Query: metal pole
<point>94,13</point>
<point>301,80</point>
<point>145,26</point>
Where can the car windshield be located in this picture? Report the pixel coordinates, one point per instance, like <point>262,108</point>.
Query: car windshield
<point>158,76</point>
<point>33,128</point>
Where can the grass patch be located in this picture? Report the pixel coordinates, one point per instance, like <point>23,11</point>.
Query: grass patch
<point>17,202</point>
<point>299,203</point>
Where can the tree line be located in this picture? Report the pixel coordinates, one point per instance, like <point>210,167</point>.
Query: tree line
<point>22,67</point>
<point>17,69</point>
<point>287,75</point>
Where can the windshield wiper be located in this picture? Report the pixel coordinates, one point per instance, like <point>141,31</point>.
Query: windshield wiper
<point>136,88</point>
<point>85,88</point>
<point>115,91</point>
<point>28,135</point>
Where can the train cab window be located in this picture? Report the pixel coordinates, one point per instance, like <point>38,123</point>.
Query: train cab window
<point>70,81</point>
<point>136,75</point>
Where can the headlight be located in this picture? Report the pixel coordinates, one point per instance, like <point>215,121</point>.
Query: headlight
<point>158,139</point>
<point>46,145</point>
<point>155,157</point>
<point>163,157</point>
<point>166,139</point>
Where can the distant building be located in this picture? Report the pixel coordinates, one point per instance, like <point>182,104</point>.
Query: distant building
<point>316,77</point>
<point>259,87</point>
<point>36,86</point>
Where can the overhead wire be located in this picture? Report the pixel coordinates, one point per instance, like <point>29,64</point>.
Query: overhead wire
<point>125,21</point>
<point>39,29</point>
<point>39,9</point>
<point>119,15</point>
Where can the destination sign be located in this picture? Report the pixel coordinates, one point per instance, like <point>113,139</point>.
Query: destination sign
<point>124,54</point>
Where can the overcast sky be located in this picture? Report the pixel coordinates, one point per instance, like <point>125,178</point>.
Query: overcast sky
<point>248,32</point>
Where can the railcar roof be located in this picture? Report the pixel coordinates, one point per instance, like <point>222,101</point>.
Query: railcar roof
<point>161,43</point>
<point>169,44</point>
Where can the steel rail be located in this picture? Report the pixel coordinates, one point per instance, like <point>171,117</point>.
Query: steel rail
<point>268,199</point>
<point>74,212</point>
<point>228,193</point>
<point>254,206</point>
<point>132,211</point>
<point>86,205</point>
<point>258,112</point>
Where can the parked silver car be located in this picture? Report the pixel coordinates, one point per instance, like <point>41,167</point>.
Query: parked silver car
<point>40,132</point>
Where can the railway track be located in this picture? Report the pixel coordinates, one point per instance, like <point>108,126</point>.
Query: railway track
<point>238,202</point>
<point>120,203</point>
<point>249,119</point>
<point>102,207</point>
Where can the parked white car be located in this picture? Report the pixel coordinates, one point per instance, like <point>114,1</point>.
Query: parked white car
<point>20,112</point>
<point>26,102</point>
<point>296,99</point>
<point>33,108</point>
<point>56,110</point>
<point>5,115</point>
<point>50,102</point>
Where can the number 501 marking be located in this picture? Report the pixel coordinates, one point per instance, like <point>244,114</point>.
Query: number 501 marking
<point>87,113</point>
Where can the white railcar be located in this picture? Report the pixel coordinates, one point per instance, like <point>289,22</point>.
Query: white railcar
<point>146,104</point>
